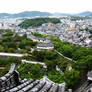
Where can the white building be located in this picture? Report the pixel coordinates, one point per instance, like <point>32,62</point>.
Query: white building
<point>45,46</point>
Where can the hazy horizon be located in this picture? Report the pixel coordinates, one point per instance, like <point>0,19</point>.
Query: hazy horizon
<point>52,6</point>
<point>44,11</point>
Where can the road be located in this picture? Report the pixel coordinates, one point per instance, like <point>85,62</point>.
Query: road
<point>65,56</point>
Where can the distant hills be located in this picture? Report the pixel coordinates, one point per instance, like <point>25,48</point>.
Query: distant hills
<point>38,13</point>
<point>61,14</point>
<point>86,13</point>
<point>31,14</point>
<point>25,14</point>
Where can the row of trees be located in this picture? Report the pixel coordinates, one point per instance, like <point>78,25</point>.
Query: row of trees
<point>16,44</point>
<point>8,61</point>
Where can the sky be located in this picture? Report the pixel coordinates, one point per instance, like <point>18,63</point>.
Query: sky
<point>62,6</point>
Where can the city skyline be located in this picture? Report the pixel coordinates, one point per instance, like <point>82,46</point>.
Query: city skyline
<point>62,6</point>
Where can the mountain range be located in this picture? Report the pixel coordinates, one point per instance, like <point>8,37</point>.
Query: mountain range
<point>86,13</point>
<point>38,13</point>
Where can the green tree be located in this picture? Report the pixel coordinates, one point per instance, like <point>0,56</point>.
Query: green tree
<point>67,50</point>
<point>72,78</point>
<point>1,48</point>
<point>31,71</point>
<point>55,76</point>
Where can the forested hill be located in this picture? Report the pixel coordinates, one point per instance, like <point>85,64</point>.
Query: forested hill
<point>38,22</point>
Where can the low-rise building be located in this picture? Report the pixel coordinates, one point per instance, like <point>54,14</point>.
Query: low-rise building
<point>45,46</point>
